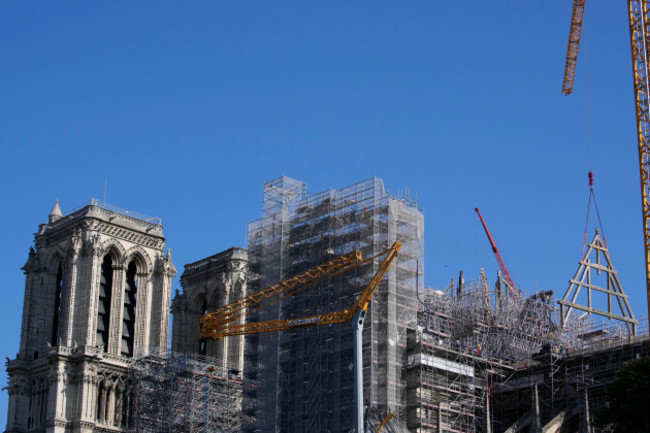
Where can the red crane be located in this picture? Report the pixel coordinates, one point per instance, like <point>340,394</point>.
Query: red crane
<point>502,265</point>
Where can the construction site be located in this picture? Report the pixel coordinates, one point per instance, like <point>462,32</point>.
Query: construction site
<point>473,357</point>
<point>323,323</point>
<point>489,361</point>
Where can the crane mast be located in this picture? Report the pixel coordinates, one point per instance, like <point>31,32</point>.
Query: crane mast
<point>639,44</point>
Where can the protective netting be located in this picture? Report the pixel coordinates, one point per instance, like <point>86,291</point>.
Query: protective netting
<point>302,380</point>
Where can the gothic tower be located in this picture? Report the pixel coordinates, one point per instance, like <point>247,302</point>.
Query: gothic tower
<point>97,295</point>
<point>208,284</point>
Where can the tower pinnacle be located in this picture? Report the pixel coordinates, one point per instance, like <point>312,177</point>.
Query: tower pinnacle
<point>55,213</point>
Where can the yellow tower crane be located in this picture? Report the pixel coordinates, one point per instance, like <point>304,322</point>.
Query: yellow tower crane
<point>220,323</point>
<point>639,22</point>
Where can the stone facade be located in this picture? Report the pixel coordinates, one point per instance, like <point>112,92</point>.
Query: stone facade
<point>208,284</point>
<point>97,295</point>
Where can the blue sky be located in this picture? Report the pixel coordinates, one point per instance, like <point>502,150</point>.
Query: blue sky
<point>186,109</point>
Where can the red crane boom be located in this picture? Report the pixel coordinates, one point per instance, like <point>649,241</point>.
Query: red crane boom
<point>502,265</point>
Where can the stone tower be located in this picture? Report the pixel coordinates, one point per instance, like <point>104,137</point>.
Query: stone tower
<point>308,371</point>
<point>97,295</point>
<point>208,284</point>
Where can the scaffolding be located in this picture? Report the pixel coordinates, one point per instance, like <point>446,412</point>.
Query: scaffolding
<point>567,388</point>
<point>185,394</point>
<point>467,340</point>
<point>308,371</point>
<point>486,360</point>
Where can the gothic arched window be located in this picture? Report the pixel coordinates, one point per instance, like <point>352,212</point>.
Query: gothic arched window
<point>57,305</point>
<point>102,394</point>
<point>104,304</point>
<point>126,408</point>
<point>128,315</point>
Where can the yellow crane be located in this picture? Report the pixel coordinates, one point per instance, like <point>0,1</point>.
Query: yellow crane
<point>574,43</point>
<point>220,323</point>
<point>383,423</point>
<point>639,21</point>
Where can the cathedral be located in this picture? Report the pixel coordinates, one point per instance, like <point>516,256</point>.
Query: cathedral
<point>94,351</point>
<point>94,340</point>
<point>97,291</point>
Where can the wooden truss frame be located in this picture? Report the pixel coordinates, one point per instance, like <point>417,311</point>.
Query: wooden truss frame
<point>613,290</point>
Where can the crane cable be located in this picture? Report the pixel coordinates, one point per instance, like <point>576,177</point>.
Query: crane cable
<point>590,175</point>
<point>592,195</point>
<point>587,110</point>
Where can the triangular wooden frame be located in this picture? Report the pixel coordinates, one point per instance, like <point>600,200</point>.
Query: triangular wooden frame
<point>582,280</point>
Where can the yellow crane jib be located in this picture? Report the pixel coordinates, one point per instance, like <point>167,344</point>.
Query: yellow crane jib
<point>275,293</point>
<point>572,48</point>
<point>218,324</point>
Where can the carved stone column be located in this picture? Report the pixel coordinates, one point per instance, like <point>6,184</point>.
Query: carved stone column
<point>117,299</point>
<point>143,317</point>
<point>93,402</point>
<point>87,391</point>
<point>18,388</point>
<point>68,296</point>
<point>91,330</point>
<point>58,382</point>
<point>110,404</point>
